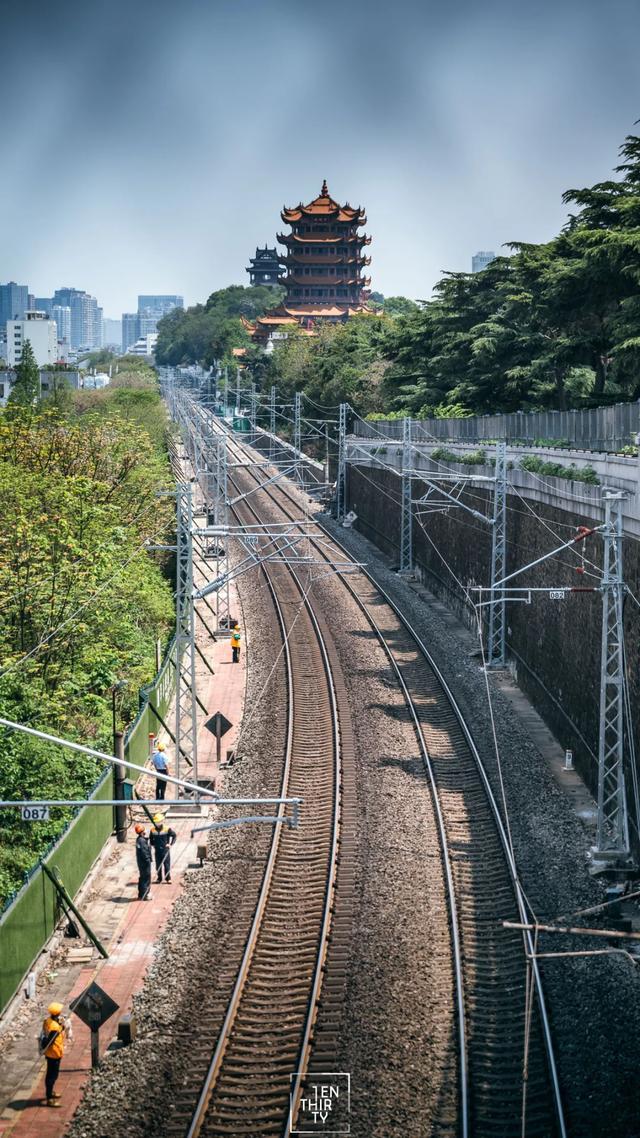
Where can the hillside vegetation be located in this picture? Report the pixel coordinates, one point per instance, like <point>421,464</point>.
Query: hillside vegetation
<point>83,602</point>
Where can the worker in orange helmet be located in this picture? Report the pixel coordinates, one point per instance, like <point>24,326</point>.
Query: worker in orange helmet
<point>52,1041</point>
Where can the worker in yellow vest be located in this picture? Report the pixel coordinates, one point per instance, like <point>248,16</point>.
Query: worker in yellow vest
<point>235,644</point>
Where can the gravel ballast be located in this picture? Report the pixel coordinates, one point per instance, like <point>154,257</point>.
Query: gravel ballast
<point>594,1002</point>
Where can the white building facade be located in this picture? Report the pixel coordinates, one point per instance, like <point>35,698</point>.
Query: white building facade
<point>42,334</point>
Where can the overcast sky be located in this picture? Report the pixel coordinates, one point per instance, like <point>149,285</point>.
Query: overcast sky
<point>150,146</point>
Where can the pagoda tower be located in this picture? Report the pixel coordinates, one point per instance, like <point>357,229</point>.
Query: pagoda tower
<point>324,259</point>
<point>264,268</point>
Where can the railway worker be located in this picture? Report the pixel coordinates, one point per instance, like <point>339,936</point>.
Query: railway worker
<point>162,838</point>
<point>143,858</point>
<point>52,1041</point>
<point>159,760</point>
<point>235,644</point>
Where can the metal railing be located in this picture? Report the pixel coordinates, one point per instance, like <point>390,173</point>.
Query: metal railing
<point>596,428</point>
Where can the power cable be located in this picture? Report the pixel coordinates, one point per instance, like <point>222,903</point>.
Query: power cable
<point>68,620</point>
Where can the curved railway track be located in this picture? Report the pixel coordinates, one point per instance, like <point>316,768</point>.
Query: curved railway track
<point>270,1017</point>
<point>493,1091</point>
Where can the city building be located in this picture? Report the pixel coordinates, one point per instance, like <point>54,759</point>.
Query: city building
<point>159,303</point>
<point>42,334</point>
<point>43,304</point>
<point>111,333</point>
<point>481,260</point>
<point>61,313</point>
<point>145,346</point>
<point>323,268</point>
<point>86,317</point>
<point>14,302</point>
<point>144,322</point>
<point>50,381</point>
<point>264,268</point>
<point>130,323</point>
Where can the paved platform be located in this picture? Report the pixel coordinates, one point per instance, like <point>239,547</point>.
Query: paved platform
<point>128,929</point>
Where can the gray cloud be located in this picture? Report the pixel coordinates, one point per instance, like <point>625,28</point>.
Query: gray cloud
<point>150,147</point>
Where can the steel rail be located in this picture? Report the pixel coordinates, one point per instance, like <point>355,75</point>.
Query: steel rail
<point>242,978</point>
<point>495,809</point>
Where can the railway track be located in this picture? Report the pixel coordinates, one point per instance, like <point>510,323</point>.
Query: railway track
<point>247,1085</point>
<point>501,1012</point>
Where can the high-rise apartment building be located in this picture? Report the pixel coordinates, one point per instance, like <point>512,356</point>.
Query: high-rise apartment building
<point>161,304</point>
<point>111,333</point>
<point>61,313</point>
<point>42,334</point>
<point>144,322</point>
<point>86,317</point>
<point>14,302</point>
<point>481,260</point>
<point>130,322</point>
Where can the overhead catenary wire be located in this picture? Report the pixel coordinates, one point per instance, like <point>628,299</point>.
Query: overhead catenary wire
<point>73,616</point>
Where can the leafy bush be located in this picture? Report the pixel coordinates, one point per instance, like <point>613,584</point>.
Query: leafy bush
<point>536,465</point>
<point>467,458</point>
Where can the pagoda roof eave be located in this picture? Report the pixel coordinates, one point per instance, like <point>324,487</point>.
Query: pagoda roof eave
<point>333,259</point>
<point>328,282</point>
<point>335,213</point>
<point>323,238</point>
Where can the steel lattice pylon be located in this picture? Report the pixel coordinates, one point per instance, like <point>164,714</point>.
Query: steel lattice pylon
<point>297,433</point>
<point>496,650</point>
<point>341,480</point>
<point>272,421</point>
<point>186,727</point>
<point>406,520</point>
<point>612,834</point>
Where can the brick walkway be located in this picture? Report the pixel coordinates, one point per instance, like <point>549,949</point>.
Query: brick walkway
<point>128,929</point>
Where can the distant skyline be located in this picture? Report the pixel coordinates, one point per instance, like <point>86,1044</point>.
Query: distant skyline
<point>178,132</point>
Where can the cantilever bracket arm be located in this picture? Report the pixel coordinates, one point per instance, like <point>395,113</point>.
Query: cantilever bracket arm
<point>454,501</point>
<point>583,532</point>
<point>261,485</point>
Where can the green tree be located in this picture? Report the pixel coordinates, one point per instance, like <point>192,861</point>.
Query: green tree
<point>206,333</point>
<point>26,389</point>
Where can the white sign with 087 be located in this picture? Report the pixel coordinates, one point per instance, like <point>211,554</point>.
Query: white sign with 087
<point>35,813</point>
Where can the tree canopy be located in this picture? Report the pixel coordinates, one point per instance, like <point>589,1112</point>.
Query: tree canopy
<point>83,602</point>
<point>207,332</point>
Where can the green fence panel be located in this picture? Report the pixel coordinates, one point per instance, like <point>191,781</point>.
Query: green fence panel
<point>27,924</point>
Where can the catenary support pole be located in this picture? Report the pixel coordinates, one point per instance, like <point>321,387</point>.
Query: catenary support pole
<point>186,729</point>
<point>253,409</point>
<point>496,647</point>
<point>612,831</point>
<point>237,391</point>
<point>406,520</point>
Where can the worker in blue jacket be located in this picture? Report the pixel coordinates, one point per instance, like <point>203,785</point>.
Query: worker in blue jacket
<point>143,859</point>
<point>159,760</point>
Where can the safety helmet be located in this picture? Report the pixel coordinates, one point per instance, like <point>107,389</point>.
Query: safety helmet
<point>55,1009</point>
<point>161,746</point>
<point>158,819</point>
<point>139,828</point>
